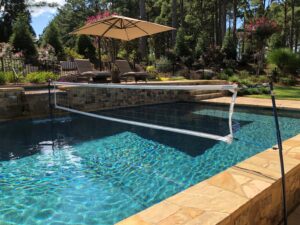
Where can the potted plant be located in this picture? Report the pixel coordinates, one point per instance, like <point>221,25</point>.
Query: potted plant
<point>115,74</point>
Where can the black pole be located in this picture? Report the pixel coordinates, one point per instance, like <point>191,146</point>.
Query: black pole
<point>99,53</point>
<point>49,100</point>
<point>50,112</point>
<point>279,141</point>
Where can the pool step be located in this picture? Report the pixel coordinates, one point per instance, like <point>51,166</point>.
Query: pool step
<point>200,97</point>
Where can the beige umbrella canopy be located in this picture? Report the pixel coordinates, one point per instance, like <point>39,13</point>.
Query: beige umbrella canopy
<point>120,27</point>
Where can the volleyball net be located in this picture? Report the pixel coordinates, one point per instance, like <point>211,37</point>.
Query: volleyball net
<point>118,103</point>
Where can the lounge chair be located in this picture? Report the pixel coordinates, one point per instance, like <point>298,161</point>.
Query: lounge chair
<point>67,67</point>
<point>126,71</point>
<point>87,72</point>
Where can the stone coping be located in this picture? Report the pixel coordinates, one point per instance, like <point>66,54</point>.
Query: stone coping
<point>220,199</point>
<point>186,82</point>
<point>10,89</point>
<point>258,102</point>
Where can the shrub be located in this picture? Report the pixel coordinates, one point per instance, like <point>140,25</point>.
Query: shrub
<point>72,54</point>
<point>228,71</point>
<point>184,72</point>
<point>164,65</point>
<point>152,71</point>
<point>262,79</point>
<point>223,76</point>
<point>234,78</point>
<point>254,91</point>
<point>10,77</point>
<point>284,59</point>
<point>289,80</point>
<point>244,74</point>
<point>2,78</point>
<point>40,77</point>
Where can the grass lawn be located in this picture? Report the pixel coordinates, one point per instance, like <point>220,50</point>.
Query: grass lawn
<point>285,93</point>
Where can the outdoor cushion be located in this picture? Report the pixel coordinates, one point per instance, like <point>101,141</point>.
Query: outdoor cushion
<point>96,73</point>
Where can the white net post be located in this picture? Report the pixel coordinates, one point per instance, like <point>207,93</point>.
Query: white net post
<point>231,110</point>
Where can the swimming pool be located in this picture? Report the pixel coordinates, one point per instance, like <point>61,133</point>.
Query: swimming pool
<point>101,172</point>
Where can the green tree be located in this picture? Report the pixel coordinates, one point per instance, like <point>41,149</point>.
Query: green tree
<point>22,40</point>
<point>181,48</point>
<point>86,48</point>
<point>52,37</point>
<point>229,46</point>
<point>10,9</point>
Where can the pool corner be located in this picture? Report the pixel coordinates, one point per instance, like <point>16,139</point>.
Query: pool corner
<point>247,193</point>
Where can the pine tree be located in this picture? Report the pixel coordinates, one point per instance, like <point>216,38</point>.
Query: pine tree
<point>52,37</point>
<point>22,39</point>
<point>181,49</point>
<point>11,10</point>
<point>229,45</point>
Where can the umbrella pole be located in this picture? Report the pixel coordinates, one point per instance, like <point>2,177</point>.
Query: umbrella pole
<point>99,52</point>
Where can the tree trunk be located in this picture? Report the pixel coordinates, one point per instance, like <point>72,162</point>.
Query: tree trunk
<point>291,42</point>
<point>174,20</point>
<point>143,40</point>
<point>234,16</point>
<point>296,39</point>
<point>223,15</point>
<point>216,24</point>
<point>285,23</point>
<point>181,13</point>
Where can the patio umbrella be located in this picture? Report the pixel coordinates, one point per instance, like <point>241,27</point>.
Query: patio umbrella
<point>122,28</point>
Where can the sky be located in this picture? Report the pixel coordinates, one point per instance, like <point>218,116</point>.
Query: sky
<point>42,16</point>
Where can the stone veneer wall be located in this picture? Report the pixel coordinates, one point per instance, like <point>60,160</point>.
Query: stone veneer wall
<point>248,193</point>
<point>89,99</point>
<point>16,103</point>
<point>11,102</point>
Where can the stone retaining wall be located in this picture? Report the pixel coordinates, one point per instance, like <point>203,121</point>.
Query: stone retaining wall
<point>11,102</point>
<point>18,103</point>
<point>91,99</point>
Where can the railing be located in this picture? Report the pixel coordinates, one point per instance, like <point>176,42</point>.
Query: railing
<point>18,65</point>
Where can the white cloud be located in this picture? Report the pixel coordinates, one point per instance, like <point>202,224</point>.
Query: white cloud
<point>60,2</point>
<point>35,12</point>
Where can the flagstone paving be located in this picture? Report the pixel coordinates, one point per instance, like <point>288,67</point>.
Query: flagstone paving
<point>245,194</point>
<point>284,104</point>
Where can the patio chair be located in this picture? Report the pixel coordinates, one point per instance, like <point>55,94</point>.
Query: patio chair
<point>87,72</point>
<point>67,67</point>
<point>126,72</point>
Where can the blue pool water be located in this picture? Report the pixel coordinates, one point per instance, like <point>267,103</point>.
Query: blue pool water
<point>100,172</point>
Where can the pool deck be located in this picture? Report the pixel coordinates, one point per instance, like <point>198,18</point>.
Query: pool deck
<point>245,194</point>
<point>246,101</point>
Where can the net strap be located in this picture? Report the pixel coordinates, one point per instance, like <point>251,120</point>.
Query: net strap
<point>227,139</point>
<point>231,88</point>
